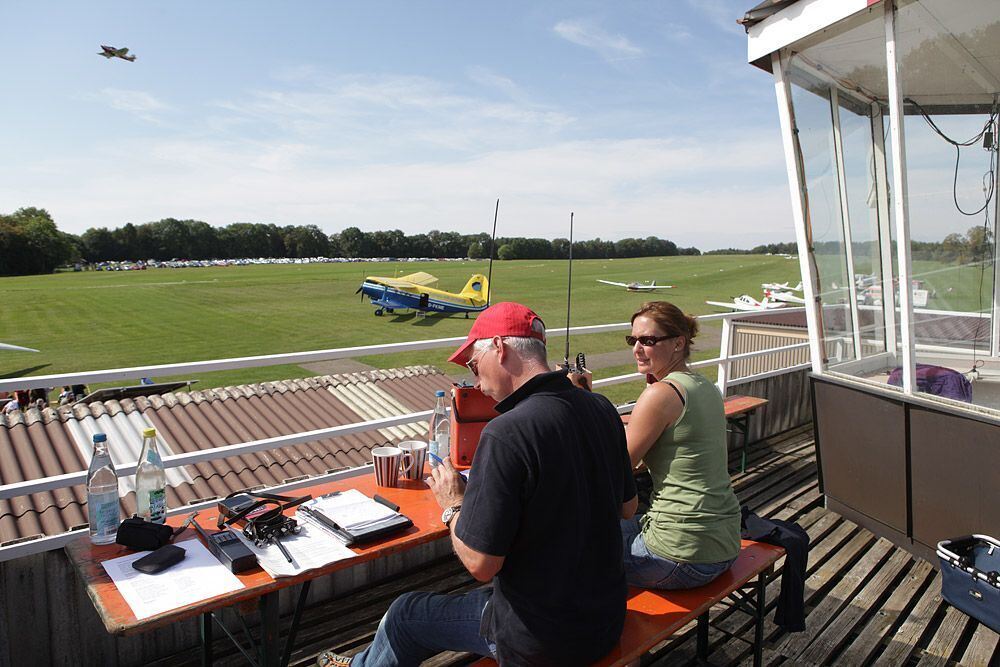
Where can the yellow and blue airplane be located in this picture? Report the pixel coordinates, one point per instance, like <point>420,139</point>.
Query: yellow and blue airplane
<point>416,291</point>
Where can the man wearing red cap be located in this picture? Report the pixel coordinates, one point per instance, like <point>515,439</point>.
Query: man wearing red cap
<point>550,480</point>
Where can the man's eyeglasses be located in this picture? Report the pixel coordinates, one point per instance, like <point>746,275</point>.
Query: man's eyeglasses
<point>472,364</point>
<point>646,341</point>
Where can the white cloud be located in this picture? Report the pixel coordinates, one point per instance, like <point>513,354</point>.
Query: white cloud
<point>134,101</point>
<point>611,47</point>
<point>636,187</point>
<point>405,116</point>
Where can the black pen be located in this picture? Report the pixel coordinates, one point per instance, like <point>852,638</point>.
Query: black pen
<point>328,523</point>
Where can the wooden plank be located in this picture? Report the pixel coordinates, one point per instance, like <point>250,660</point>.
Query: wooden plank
<point>943,643</point>
<point>864,646</point>
<point>981,648</point>
<point>834,635</point>
<point>847,582</point>
<point>904,639</point>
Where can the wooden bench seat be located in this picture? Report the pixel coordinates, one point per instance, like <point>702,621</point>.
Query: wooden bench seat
<point>654,616</point>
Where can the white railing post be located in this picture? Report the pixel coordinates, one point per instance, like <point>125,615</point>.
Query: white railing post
<point>724,347</point>
<point>901,204</point>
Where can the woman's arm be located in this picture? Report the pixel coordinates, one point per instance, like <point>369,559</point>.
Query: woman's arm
<point>658,407</point>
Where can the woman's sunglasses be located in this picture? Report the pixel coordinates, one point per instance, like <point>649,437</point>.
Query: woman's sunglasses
<point>646,341</point>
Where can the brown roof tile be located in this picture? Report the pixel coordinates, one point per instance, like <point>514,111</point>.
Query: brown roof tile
<point>37,444</point>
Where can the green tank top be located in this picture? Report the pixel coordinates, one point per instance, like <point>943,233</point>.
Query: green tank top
<point>694,516</point>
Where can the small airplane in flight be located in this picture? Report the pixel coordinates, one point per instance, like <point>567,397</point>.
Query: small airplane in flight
<point>781,287</point>
<point>416,292</point>
<point>110,52</point>
<point>637,286</point>
<point>747,302</point>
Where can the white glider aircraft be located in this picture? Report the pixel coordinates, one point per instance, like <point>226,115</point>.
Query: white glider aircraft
<point>636,286</point>
<point>747,302</point>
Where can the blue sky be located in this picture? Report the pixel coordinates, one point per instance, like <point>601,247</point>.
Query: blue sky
<point>641,117</point>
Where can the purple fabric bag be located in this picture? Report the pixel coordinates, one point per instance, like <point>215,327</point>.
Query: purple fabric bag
<point>938,381</point>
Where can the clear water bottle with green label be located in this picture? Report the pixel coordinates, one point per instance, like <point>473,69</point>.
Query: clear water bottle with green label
<point>150,481</point>
<point>103,511</point>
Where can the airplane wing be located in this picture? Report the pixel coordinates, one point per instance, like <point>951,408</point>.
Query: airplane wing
<point>421,278</point>
<point>16,348</point>
<point>732,305</point>
<point>651,287</point>
<point>122,51</point>
<point>609,282</point>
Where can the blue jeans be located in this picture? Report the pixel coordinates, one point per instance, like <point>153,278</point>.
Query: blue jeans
<point>645,569</point>
<point>420,625</point>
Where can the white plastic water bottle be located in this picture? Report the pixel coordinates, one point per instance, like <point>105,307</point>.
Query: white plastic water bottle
<point>103,511</point>
<point>150,481</point>
<point>441,426</point>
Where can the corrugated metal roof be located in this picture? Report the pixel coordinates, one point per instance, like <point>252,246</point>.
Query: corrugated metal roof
<point>37,444</point>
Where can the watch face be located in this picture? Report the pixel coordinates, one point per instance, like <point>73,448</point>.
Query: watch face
<point>448,514</point>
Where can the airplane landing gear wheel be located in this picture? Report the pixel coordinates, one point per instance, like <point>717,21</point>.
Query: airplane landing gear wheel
<point>378,313</point>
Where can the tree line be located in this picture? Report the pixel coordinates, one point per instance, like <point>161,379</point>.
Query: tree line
<point>31,243</point>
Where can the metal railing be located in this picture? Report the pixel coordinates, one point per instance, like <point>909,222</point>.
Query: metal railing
<point>18,489</point>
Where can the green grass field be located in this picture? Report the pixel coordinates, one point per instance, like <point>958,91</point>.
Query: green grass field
<point>96,320</point>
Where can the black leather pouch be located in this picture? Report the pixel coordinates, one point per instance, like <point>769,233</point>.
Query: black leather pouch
<point>160,560</point>
<point>141,535</point>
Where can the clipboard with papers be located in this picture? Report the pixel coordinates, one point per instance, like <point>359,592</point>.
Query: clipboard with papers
<point>353,517</point>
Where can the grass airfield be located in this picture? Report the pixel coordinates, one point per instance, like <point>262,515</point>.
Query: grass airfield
<point>96,320</point>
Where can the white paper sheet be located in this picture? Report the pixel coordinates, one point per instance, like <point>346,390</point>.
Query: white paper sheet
<point>312,547</point>
<point>198,577</point>
<point>351,509</point>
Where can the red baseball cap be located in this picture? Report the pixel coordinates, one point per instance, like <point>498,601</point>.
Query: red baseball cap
<point>501,319</point>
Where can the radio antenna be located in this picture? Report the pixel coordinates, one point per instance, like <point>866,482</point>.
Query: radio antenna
<point>489,276</point>
<point>569,287</point>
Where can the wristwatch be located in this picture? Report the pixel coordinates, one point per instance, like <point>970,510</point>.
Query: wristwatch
<point>449,514</point>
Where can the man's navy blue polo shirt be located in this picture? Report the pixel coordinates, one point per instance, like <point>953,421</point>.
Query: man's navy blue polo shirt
<point>545,491</point>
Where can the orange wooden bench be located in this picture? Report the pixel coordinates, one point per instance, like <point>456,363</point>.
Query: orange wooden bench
<point>654,616</point>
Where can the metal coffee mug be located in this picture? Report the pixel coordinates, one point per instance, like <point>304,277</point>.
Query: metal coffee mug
<point>414,457</point>
<point>387,462</point>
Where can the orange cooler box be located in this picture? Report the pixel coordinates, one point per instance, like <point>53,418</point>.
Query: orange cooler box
<point>471,410</point>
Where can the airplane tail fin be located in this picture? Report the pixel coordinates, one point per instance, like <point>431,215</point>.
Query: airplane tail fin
<point>476,289</point>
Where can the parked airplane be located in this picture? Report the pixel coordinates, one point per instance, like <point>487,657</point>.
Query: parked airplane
<point>110,52</point>
<point>636,286</point>
<point>747,302</point>
<point>416,292</point>
<point>16,348</point>
<point>781,287</point>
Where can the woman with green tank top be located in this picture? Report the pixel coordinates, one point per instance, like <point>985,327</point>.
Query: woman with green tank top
<point>691,532</point>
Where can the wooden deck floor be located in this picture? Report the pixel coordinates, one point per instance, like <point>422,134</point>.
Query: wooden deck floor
<point>868,602</point>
